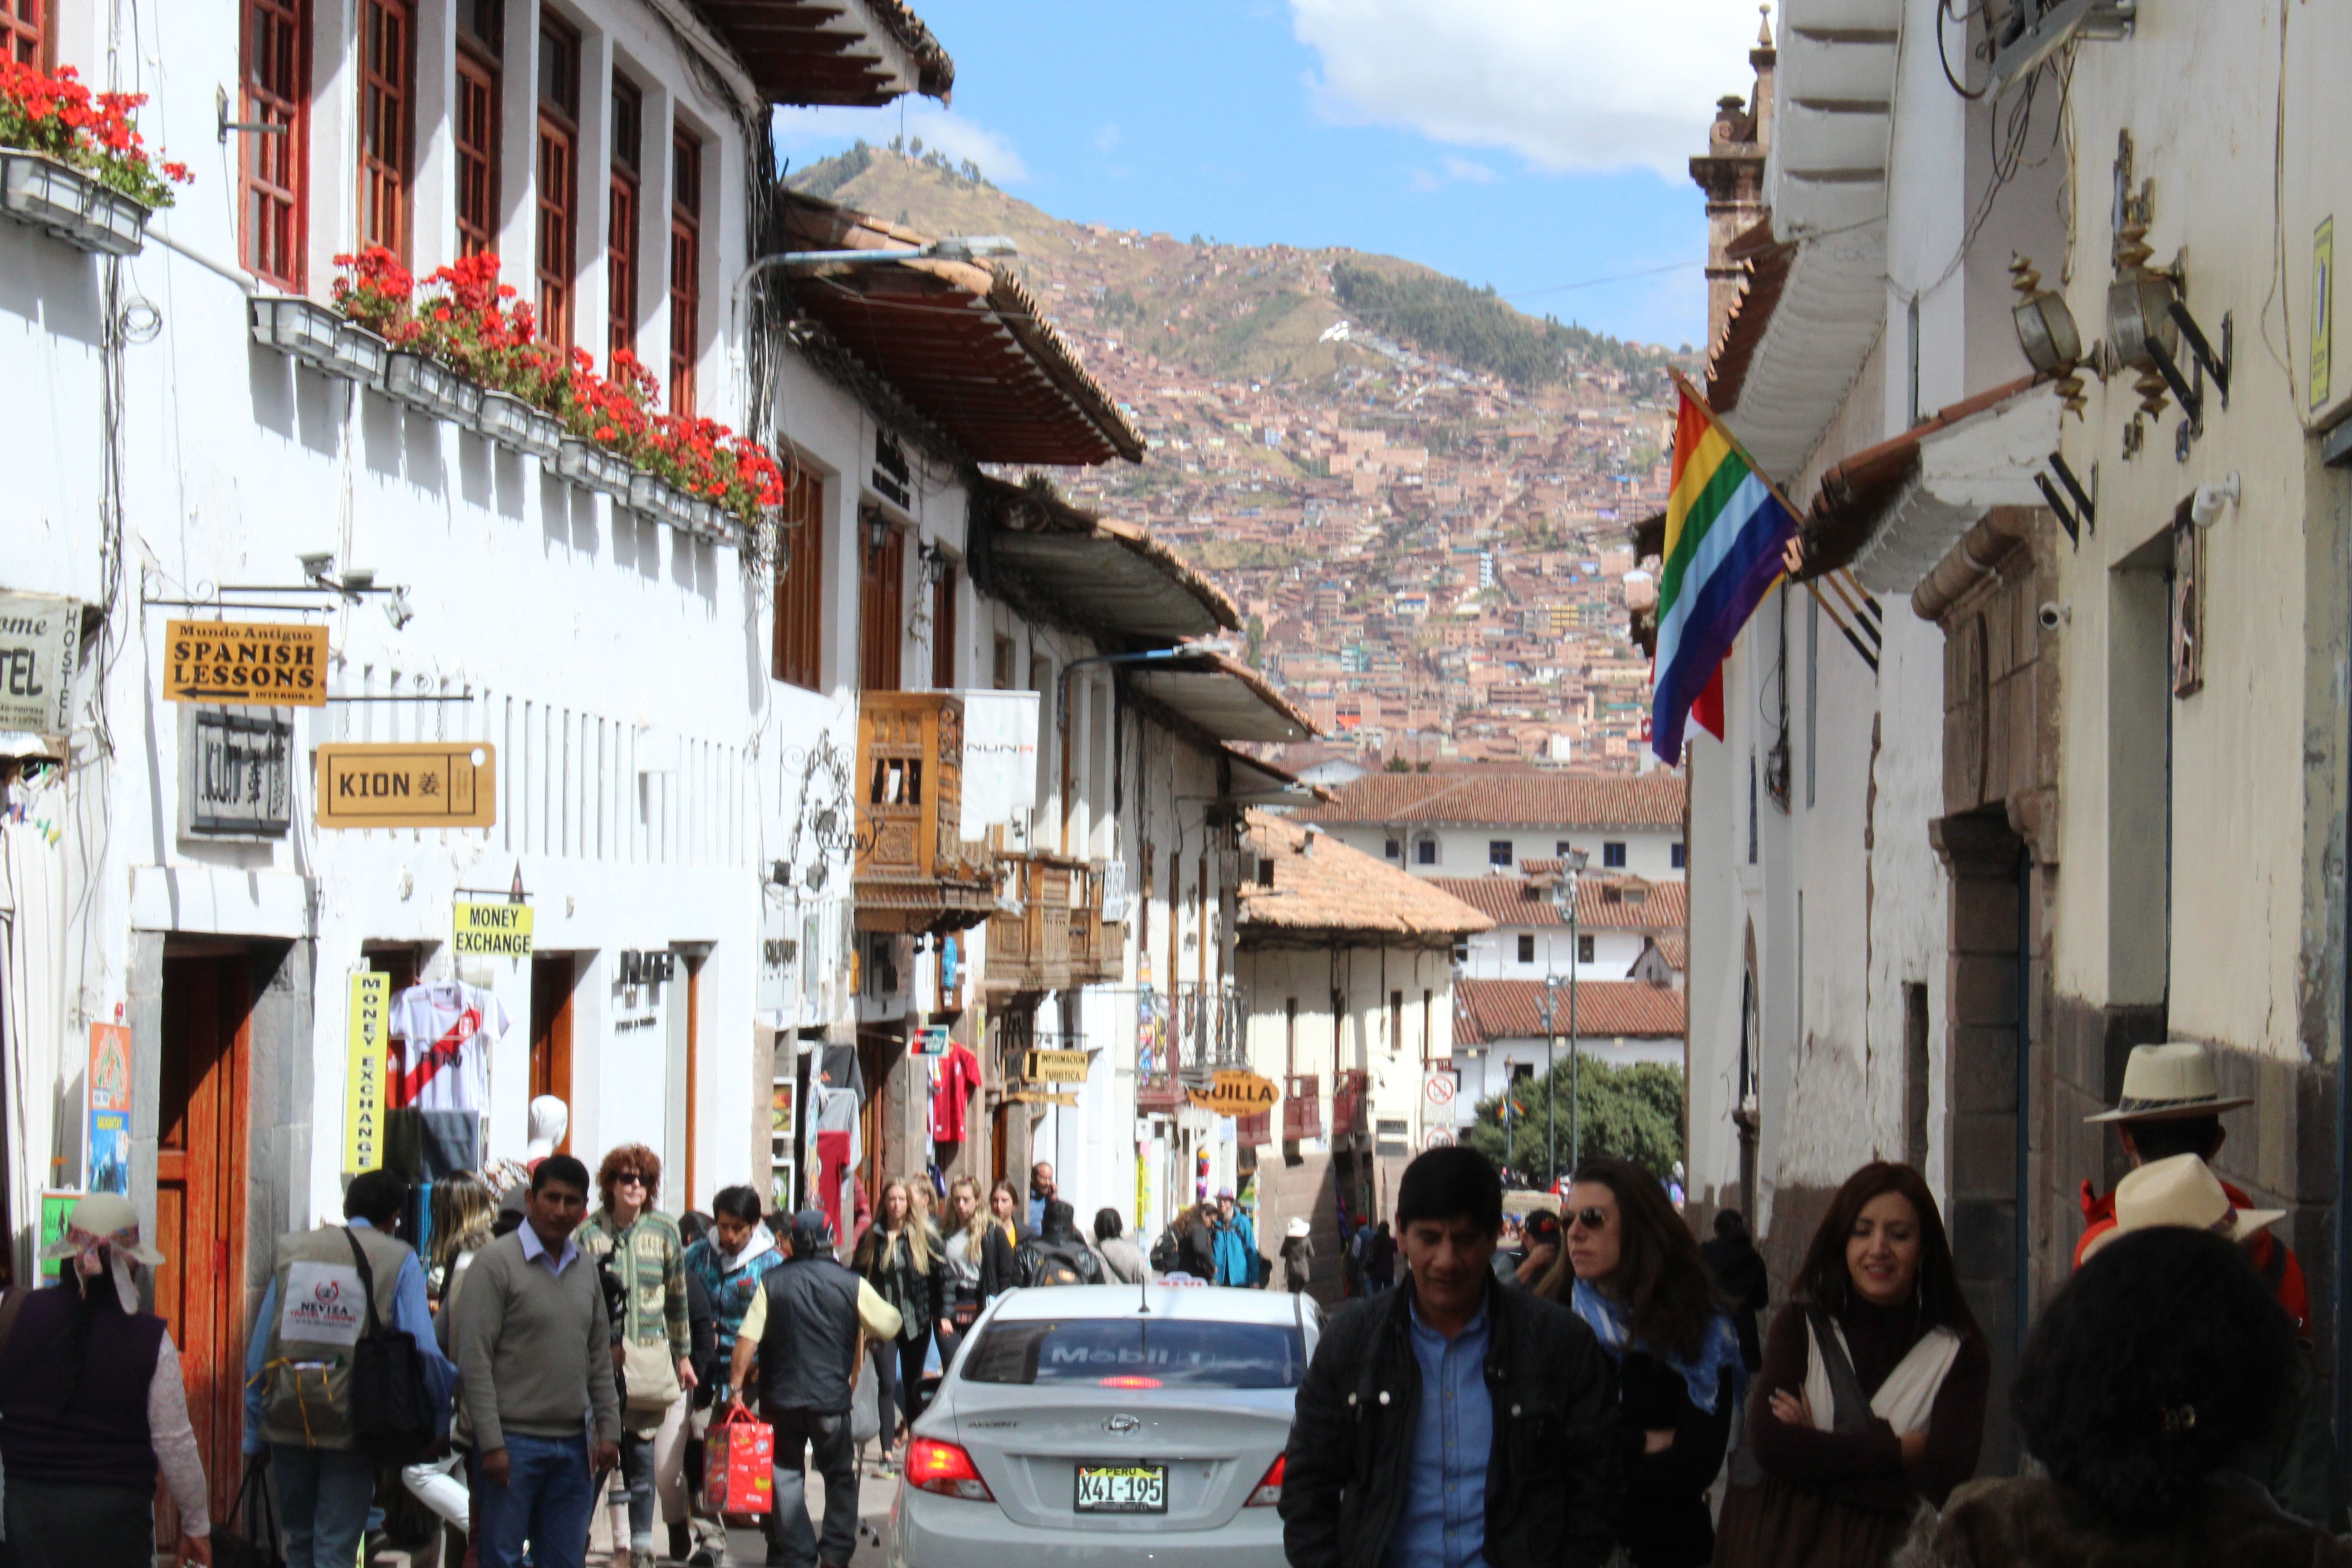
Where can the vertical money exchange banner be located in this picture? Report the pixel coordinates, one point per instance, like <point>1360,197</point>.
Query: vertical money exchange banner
<point>108,1164</point>
<point>363,1093</point>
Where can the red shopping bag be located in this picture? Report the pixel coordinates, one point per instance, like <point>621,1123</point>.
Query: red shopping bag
<point>739,1465</point>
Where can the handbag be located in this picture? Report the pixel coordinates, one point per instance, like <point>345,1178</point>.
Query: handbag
<point>249,1537</point>
<point>1849,1406</point>
<point>739,1465</point>
<point>652,1378</point>
<point>392,1419</point>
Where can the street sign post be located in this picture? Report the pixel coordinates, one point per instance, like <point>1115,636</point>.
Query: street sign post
<point>1438,1090</point>
<point>427,784</point>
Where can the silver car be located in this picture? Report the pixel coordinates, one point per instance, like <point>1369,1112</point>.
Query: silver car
<point>1096,1423</point>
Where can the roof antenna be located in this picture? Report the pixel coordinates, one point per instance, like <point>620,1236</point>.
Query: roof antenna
<point>1143,1287</point>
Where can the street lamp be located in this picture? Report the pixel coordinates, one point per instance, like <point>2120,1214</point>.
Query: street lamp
<point>1563,897</point>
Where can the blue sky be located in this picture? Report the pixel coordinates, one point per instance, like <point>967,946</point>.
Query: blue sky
<point>1522,143</point>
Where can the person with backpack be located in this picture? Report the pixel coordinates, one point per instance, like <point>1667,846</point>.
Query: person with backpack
<point>298,1382</point>
<point>92,1407</point>
<point>1196,1243</point>
<point>1058,1255</point>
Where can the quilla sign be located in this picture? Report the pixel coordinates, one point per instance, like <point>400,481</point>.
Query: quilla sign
<point>1236,1094</point>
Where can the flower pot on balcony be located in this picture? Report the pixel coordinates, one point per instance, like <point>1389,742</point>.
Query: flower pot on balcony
<point>293,325</point>
<point>591,467</point>
<point>360,355</point>
<point>72,206</point>
<point>422,384</point>
<point>653,499</point>
<point>465,403</point>
<point>711,521</point>
<point>504,419</point>
<point>543,436</point>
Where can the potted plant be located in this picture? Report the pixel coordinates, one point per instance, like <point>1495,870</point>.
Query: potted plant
<point>71,161</point>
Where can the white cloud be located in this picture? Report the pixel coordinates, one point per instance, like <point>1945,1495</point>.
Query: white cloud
<point>805,134</point>
<point>1469,170</point>
<point>1567,84</point>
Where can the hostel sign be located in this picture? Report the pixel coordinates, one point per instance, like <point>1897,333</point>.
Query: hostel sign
<point>39,637</point>
<point>1236,1094</point>
<point>260,662</point>
<point>427,784</point>
<point>494,930</point>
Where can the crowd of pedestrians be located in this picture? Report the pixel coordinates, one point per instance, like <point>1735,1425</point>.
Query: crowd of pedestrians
<point>2167,1400</point>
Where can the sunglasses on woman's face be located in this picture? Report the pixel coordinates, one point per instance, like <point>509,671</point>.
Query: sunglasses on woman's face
<point>1590,1219</point>
<point>629,1178</point>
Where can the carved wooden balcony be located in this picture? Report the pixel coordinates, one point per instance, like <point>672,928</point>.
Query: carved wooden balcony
<point>915,872</point>
<point>1029,947</point>
<point>1350,1102</point>
<point>1097,947</point>
<point>1302,1108</point>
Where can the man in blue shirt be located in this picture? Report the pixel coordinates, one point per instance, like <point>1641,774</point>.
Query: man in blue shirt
<point>322,1484</point>
<point>1452,1423</point>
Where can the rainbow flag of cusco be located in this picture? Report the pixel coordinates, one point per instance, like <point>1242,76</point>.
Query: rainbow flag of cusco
<point>1725,528</point>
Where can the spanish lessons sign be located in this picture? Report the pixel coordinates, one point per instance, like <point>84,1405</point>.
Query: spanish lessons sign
<point>416,784</point>
<point>246,662</point>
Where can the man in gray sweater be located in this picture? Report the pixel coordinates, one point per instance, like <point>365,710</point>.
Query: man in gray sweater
<point>535,1364</point>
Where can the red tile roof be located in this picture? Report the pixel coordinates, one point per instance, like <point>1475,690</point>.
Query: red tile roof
<point>1335,889</point>
<point>1601,903</point>
<point>1511,797</point>
<point>1485,1011</point>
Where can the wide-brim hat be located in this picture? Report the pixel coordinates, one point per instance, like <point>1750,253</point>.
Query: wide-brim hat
<point>106,1219</point>
<point>2180,1191</point>
<point>2169,1082</point>
<point>1297,1229</point>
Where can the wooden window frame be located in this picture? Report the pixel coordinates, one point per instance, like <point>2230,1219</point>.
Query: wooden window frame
<point>479,78</point>
<point>386,168</point>
<point>798,653</point>
<point>273,170</point>
<point>882,609</point>
<point>943,625</point>
<point>684,266</point>
<point>25,36</point>
<point>555,258</point>
<point>623,246</point>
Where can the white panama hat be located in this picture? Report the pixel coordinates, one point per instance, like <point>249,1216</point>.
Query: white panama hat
<point>2169,1082</point>
<point>2180,1191</point>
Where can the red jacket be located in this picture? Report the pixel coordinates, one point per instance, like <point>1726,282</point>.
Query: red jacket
<point>2274,1259</point>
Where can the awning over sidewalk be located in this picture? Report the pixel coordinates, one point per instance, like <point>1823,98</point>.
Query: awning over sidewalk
<point>1057,563</point>
<point>859,53</point>
<point>1893,510</point>
<point>1222,696</point>
<point>968,346</point>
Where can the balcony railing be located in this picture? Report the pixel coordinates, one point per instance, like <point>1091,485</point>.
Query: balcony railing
<point>1350,1100</point>
<point>1029,936</point>
<point>914,871</point>
<point>1302,1108</point>
<point>1097,946</point>
<point>1183,1038</point>
<point>1254,1131</point>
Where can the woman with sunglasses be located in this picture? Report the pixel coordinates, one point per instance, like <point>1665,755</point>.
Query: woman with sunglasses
<point>1634,1274</point>
<point>654,1348</point>
<point>1872,1396</point>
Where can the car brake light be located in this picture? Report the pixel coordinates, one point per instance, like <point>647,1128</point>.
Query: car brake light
<point>947,1470</point>
<point>1269,1490</point>
<point>1130,1383</point>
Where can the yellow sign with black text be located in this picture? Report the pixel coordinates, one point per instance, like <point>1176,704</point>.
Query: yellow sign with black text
<point>493,930</point>
<point>265,663</point>
<point>1057,1066</point>
<point>1237,1094</point>
<point>422,784</point>
<point>363,1093</point>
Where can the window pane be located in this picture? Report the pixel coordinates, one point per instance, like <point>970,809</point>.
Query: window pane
<point>1139,1354</point>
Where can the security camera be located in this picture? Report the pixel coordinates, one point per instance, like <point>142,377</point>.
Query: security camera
<point>318,567</point>
<point>2053,615</point>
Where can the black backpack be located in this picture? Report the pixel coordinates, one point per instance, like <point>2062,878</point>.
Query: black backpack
<point>392,1418</point>
<point>1164,1252</point>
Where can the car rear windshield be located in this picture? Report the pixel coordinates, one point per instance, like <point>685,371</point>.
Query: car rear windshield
<point>1137,1353</point>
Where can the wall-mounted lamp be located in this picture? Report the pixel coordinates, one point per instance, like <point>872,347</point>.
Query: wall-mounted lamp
<point>877,530</point>
<point>2046,331</point>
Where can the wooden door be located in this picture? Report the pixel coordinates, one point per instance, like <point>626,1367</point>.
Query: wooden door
<point>551,978</point>
<point>882,611</point>
<point>200,1174</point>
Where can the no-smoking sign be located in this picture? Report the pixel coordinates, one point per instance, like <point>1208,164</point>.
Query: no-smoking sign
<point>1438,1089</point>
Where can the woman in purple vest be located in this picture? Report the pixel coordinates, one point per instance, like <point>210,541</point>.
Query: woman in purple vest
<point>91,1405</point>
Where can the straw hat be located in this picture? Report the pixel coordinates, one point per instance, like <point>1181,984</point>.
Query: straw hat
<point>104,1219</point>
<point>2180,1191</point>
<point>1297,1229</point>
<point>2167,1082</point>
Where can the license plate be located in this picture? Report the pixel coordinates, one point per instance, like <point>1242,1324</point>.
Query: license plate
<point>1122,1488</point>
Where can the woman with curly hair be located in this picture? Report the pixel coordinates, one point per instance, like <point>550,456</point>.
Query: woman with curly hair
<point>642,1248</point>
<point>1633,1272</point>
<point>2147,1384</point>
<point>1871,1394</point>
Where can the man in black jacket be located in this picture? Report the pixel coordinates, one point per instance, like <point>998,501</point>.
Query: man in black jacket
<point>1450,1420</point>
<point>1058,1255</point>
<point>803,1328</point>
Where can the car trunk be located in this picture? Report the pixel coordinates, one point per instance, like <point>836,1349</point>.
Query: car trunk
<point>1028,1443</point>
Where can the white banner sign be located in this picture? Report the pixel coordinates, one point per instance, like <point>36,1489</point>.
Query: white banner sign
<point>1000,759</point>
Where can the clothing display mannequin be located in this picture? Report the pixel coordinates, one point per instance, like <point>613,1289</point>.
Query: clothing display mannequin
<point>551,1119</point>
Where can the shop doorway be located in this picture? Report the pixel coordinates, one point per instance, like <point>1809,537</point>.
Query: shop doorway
<point>553,977</point>
<point>200,1181</point>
